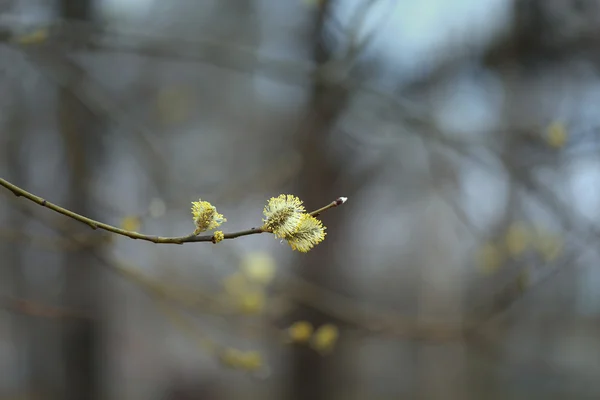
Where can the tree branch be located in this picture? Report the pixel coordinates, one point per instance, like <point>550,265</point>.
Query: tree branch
<point>17,191</point>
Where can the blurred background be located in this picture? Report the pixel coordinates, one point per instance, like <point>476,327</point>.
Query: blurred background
<point>464,134</point>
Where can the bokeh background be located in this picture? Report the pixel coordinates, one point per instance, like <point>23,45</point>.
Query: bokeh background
<point>463,266</point>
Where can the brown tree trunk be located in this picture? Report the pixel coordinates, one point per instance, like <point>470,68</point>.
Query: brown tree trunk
<point>81,338</point>
<point>316,187</point>
<point>13,282</point>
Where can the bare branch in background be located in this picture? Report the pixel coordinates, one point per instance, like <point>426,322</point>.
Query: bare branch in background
<point>33,309</point>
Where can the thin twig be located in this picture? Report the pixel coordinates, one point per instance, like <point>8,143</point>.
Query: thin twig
<point>338,202</point>
<point>135,235</point>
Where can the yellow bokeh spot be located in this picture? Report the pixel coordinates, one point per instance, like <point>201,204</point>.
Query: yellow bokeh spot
<point>235,284</point>
<point>300,331</point>
<point>556,135</point>
<point>231,357</point>
<point>252,302</point>
<point>131,223</point>
<point>258,267</point>
<point>325,337</point>
<point>517,239</point>
<point>246,297</point>
<point>489,258</point>
<point>234,358</point>
<point>250,361</point>
<point>35,37</point>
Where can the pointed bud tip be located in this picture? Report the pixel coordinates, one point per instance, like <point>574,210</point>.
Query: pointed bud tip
<point>341,200</point>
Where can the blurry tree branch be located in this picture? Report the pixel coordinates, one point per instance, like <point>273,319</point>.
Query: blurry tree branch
<point>48,56</point>
<point>235,57</point>
<point>34,309</point>
<point>52,62</point>
<point>224,55</point>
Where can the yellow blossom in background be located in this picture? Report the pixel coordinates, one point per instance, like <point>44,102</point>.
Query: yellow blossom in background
<point>218,236</point>
<point>131,223</point>
<point>258,267</point>
<point>243,294</point>
<point>251,301</point>
<point>35,37</point>
<point>283,214</point>
<point>206,216</point>
<point>517,239</point>
<point>231,357</point>
<point>250,361</point>
<point>234,358</point>
<point>300,331</point>
<point>556,135</point>
<point>325,337</point>
<point>489,258</point>
<point>235,284</point>
<point>309,233</point>
<point>549,246</point>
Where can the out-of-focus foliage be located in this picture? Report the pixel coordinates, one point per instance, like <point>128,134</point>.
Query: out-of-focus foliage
<point>518,238</point>
<point>35,37</point>
<point>301,331</point>
<point>131,223</point>
<point>556,135</point>
<point>259,267</point>
<point>325,338</point>
<point>490,258</point>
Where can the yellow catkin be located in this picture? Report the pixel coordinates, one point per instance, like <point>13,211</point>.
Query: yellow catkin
<point>309,233</point>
